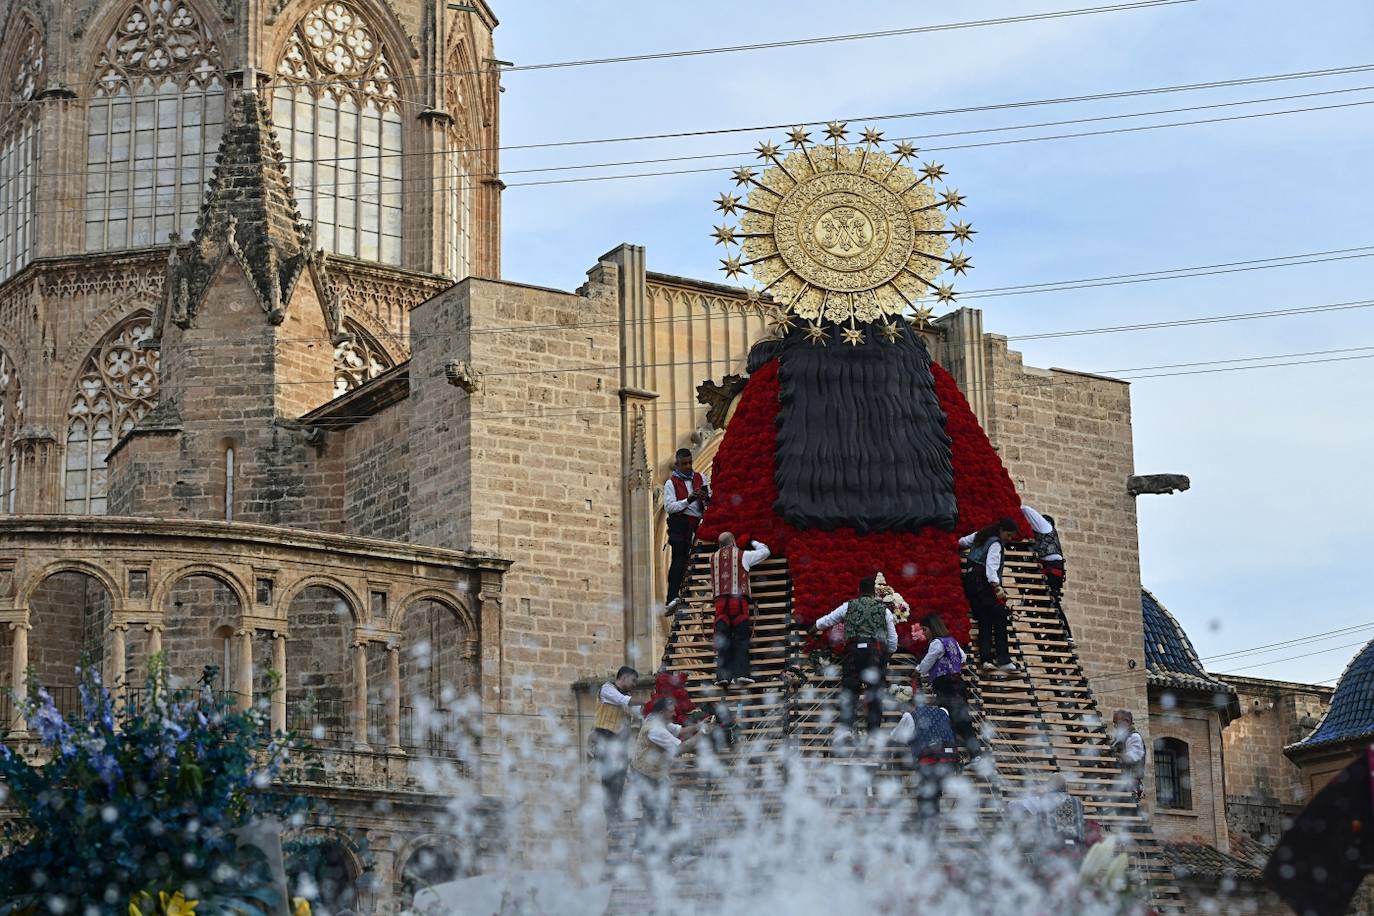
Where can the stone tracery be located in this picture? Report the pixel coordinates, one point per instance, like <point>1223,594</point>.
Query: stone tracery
<point>11,418</point>
<point>119,383</point>
<point>357,359</point>
<point>19,145</point>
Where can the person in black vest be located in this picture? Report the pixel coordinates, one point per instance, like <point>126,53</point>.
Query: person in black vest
<point>685,495</point>
<point>1050,553</point>
<point>930,746</point>
<point>870,634</point>
<point>986,598</point>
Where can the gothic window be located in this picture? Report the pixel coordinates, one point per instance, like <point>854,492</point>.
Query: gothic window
<point>336,111</point>
<point>457,177</point>
<point>156,115</point>
<point>19,153</point>
<point>1173,785</point>
<point>357,359</point>
<point>118,385</point>
<point>11,418</point>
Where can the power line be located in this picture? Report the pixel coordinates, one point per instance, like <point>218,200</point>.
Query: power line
<point>1295,657</point>
<point>1211,319</point>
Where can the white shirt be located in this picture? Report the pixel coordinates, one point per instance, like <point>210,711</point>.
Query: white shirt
<point>612,696</point>
<point>756,556</point>
<point>1040,525</point>
<point>993,565</point>
<point>835,616</point>
<point>664,734</point>
<point>905,729</point>
<point>1133,751</point>
<point>934,654</point>
<point>673,505</point>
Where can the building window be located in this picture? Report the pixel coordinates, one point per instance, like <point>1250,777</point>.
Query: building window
<point>138,583</point>
<point>154,127</point>
<point>337,115</point>
<point>357,358</point>
<point>460,195</point>
<point>1173,786</point>
<point>118,385</point>
<point>378,603</point>
<point>264,592</point>
<point>11,418</point>
<point>25,77</point>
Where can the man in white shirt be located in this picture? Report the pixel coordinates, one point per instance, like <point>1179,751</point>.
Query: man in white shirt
<point>660,740</point>
<point>1050,553</point>
<point>986,598</point>
<point>734,607</point>
<point>685,495</point>
<point>610,738</point>
<point>1130,751</point>
<point>870,634</point>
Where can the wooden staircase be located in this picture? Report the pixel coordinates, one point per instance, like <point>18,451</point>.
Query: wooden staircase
<point>1040,722</point>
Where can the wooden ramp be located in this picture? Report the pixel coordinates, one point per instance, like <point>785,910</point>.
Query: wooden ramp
<point>1041,722</point>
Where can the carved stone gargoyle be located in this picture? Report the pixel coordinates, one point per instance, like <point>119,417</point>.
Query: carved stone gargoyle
<point>719,397</point>
<point>1141,484</point>
<point>460,375</point>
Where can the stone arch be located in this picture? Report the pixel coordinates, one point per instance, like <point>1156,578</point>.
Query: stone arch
<point>382,20</point>
<point>23,76</point>
<point>99,32</point>
<point>358,358</point>
<point>97,572</point>
<point>335,863</point>
<point>427,860</point>
<point>347,592</point>
<point>202,607</point>
<point>459,606</point>
<point>70,608</point>
<point>321,618</point>
<point>439,670</point>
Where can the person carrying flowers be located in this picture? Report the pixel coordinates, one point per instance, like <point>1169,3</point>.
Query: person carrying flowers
<point>986,597</point>
<point>660,740</point>
<point>870,633</point>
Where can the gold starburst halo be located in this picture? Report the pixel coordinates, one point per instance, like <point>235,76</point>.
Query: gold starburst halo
<point>844,234</point>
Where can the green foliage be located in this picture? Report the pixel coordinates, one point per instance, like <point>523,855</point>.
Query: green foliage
<point>144,799</point>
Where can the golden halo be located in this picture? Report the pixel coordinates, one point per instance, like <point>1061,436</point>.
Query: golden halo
<point>843,235</point>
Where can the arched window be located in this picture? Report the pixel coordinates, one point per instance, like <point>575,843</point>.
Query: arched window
<point>456,175</point>
<point>156,115</point>
<point>11,417</point>
<point>118,385</point>
<point>1173,785</point>
<point>357,359</point>
<point>337,115</point>
<point>25,74</point>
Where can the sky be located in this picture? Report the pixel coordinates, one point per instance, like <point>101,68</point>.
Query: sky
<point>1263,548</point>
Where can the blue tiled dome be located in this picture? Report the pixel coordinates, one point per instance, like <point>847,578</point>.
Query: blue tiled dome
<point>1350,716</point>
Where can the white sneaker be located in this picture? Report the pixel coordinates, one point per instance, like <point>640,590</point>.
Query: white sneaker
<point>989,666</point>
<point>744,681</point>
<point>672,607</point>
<point>1009,667</point>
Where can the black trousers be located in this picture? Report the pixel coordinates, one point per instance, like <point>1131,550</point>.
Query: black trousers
<point>611,756</point>
<point>991,616</point>
<point>677,568</point>
<point>865,669</point>
<point>1054,581</point>
<point>951,693</point>
<point>930,786</point>
<point>732,649</point>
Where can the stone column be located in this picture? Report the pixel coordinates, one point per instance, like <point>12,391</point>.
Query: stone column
<point>119,661</point>
<point>393,702</point>
<point>19,676</point>
<point>243,677</point>
<point>154,637</point>
<point>279,687</point>
<point>360,696</point>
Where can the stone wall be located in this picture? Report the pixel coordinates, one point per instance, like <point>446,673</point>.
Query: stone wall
<point>1192,719</point>
<point>1066,439</point>
<point>70,613</point>
<point>200,615</point>
<point>377,477</point>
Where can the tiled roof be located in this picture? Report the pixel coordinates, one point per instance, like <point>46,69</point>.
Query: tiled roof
<point>1248,849</point>
<point>1200,861</point>
<point>1350,716</point>
<point>1170,659</point>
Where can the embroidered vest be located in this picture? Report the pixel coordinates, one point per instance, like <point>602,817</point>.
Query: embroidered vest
<point>614,719</point>
<point>682,526</point>
<point>949,662</point>
<point>1047,544</point>
<point>934,734</point>
<point>682,491</point>
<point>648,758</point>
<point>728,575</point>
<point>978,556</point>
<point>865,619</point>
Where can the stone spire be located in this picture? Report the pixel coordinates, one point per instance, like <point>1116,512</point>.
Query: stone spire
<point>249,214</point>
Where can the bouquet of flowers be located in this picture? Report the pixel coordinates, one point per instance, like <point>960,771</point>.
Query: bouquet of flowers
<point>901,611</point>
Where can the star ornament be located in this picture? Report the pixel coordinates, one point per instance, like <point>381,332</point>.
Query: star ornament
<point>744,175</point>
<point>815,333</point>
<point>933,171</point>
<point>852,336</point>
<point>727,203</point>
<point>872,136</point>
<point>960,263</point>
<point>783,323</point>
<point>732,267</point>
<point>921,319</point>
<point>952,199</point>
<point>891,332</point>
<point>767,151</point>
<point>903,151</point>
<point>798,136</point>
<point>962,231</point>
<point>945,293</point>
<point>724,235</point>
<point>836,130</point>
